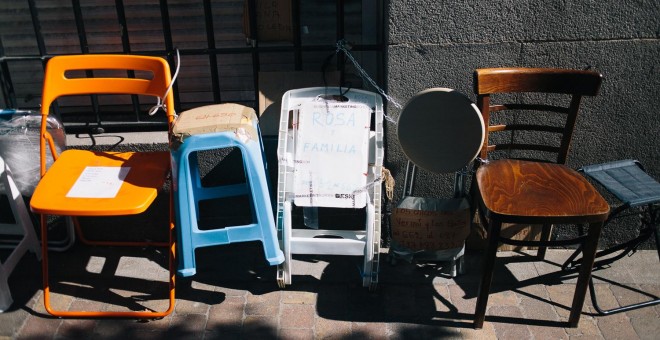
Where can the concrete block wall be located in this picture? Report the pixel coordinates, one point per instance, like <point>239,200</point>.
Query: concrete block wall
<point>439,44</point>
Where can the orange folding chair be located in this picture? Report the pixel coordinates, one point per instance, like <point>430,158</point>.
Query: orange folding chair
<point>93,183</point>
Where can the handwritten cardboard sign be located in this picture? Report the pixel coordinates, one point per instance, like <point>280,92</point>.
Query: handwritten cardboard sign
<point>444,227</point>
<point>331,154</point>
<point>216,118</point>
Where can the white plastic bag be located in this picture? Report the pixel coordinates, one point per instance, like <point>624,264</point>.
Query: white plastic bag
<point>19,145</point>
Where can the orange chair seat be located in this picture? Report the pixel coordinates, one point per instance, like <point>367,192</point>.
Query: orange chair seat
<point>147,174</point>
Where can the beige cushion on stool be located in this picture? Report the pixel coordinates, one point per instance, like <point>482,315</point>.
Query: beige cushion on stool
<point>240,119</point>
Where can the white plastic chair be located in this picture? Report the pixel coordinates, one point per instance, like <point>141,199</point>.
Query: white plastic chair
<point>330,155</point>
<point>21,226</point>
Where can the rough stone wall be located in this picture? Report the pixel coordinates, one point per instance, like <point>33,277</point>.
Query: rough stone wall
<point>440,43</point>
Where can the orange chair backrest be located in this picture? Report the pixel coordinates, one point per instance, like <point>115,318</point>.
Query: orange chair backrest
<point>62,78</point>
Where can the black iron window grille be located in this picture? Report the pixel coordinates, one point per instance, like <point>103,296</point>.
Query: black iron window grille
<point>224,45</point>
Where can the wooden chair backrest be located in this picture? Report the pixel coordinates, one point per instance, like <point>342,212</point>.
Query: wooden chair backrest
<point>575,83</point>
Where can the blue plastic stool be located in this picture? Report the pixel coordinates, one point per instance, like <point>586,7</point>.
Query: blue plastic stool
<point>209,128</point>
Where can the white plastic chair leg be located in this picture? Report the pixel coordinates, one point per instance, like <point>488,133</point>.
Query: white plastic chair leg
<point>369,248</point>
<point>5,295</point>
<point>284,269</point>
<point>29,241</point>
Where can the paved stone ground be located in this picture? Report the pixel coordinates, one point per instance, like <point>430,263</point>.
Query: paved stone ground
<point>235,295</point>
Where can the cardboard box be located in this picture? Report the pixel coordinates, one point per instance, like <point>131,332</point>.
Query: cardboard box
<point>215,118</point>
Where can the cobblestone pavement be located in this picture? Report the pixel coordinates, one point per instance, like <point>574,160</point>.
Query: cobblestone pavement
<point>235,295</point>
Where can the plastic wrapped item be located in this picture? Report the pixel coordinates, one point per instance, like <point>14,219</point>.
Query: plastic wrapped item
<point>19,145</point>
<point>430,229</point>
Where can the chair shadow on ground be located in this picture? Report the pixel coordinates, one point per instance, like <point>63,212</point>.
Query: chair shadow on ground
<point>123,278</point>
<point>504,280</point>
<point>406,292</point>
<point>337,285</point>
<point>410,295</point>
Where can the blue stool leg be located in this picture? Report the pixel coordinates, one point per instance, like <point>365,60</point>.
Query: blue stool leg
<point>256,174</point>
<point>195,180</point>
<point>186,212</point>
<point>189,192</point>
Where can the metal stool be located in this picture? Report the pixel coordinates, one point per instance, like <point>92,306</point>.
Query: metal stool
<point>210,128</point>
<point>627,180</point>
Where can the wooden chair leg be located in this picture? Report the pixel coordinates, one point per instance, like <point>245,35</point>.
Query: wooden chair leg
<point>487,272</point>
<point>546,231</point>
<point>588,257</point>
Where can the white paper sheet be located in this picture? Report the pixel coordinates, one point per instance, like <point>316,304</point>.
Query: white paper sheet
<point>332,155</point>
<point>99,182</point>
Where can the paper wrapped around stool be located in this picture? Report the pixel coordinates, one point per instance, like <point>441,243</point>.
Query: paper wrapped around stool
<point>216,118</point>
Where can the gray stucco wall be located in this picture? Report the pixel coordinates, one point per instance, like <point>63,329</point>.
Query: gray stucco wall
<point>440,43</point>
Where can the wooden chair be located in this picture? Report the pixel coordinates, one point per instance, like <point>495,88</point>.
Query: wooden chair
<point>529,183</point>
<point>139,175</point>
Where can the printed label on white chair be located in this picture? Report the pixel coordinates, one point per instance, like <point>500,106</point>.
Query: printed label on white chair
<point>332,154</point>
<point>99,182</point>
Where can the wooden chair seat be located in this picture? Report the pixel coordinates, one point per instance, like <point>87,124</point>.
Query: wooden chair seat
<point>519,191</point>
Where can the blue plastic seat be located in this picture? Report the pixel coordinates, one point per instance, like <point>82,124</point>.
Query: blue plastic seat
<point>210,128</point>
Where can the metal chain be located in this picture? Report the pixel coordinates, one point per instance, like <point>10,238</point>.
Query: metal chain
<point>342,46</point>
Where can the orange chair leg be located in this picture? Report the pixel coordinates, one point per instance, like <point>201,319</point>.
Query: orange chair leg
<point>110,314</point>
